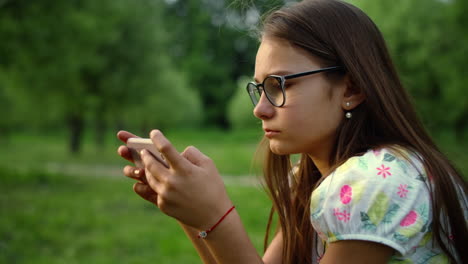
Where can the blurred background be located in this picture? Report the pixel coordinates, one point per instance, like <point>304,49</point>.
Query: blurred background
<point>73,73</point>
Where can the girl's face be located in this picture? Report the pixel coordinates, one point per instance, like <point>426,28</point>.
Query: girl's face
<point>308,121</point>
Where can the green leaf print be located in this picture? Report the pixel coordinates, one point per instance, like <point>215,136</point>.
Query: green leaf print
<point>363,163</point>
<point>358,188</point>
<point>316,203</point>
<point>315,199</point>
<point>333,236</point>
<point>426,239</point>
<point>400,237</point>
<point>366,223</point>
<point>439,259</point>
<point>421,177</point>
<point>391,213</point>
<point>388,157</point>
<point>434,258</point>
<point>364,217</point>
<point>423,211</point>
<point>403,165</point>
<point>379,208</point>
<point>397,261</point>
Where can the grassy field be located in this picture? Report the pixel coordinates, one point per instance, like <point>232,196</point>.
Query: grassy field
<point>232,152</point>
<point>54,218</point>
<point>61,208</point>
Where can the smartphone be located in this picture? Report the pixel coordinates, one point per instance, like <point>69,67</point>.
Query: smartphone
<point>137,144</point>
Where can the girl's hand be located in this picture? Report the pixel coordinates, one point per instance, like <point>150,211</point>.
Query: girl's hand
<point>191,189</point>
<point>141,187</point>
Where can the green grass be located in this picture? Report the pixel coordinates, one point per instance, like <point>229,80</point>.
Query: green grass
<point>54,218</point>
<point>232,152</point>
<point>73,216</point>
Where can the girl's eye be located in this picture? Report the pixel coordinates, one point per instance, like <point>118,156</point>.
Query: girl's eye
<point>288,84</point>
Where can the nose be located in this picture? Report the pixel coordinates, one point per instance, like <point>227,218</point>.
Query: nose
<point>264,109</point>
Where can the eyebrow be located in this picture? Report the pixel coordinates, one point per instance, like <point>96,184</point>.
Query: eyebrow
<point>279,72</point>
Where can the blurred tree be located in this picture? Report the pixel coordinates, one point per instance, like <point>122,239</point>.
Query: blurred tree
<point>428,41</point>
<point>240,108</point>
<point>213,48</point>
<point>83,60</point>
<point>456,76</point>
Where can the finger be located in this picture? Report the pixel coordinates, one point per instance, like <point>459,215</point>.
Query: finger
<point>153,167</point>
<point>173,158</point>
<point>125,153</point>
<point>125,135</point>
<point>195,156</point>
<point>145,192</point>
<point>135,173</point>
<point>153,182</point>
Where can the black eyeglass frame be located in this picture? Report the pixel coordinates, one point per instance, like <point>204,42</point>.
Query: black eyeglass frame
<point>282,80</point>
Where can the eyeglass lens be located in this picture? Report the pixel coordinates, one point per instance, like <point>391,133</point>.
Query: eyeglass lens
<point>272,88</point>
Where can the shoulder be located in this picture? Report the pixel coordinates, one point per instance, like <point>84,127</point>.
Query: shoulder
<point>394,173</point>
<point>388,164</point>
<point>383,169</point>
<point>379,196</point>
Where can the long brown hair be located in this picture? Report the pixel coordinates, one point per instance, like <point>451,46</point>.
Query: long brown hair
<point>340,34</point>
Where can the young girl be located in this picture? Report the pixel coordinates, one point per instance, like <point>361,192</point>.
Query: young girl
<point>370,187</point>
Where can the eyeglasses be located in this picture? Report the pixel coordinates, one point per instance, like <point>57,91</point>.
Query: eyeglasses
<point>273,86</point>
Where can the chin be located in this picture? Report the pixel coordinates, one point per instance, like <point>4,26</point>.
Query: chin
<point>280,149</point>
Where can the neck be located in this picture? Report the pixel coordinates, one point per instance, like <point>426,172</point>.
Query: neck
<point>321,162</point>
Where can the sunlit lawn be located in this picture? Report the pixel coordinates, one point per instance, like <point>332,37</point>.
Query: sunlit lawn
<point>232,152</point>
<point>83,210</point>
<point>74,219</point>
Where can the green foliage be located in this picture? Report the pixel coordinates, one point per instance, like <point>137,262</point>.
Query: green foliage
<point>96,65</point>
<point>89,61</point>
<point>172,105</point>
<point>214,49</point>
<point>240,108</point>
<point>428,41</point>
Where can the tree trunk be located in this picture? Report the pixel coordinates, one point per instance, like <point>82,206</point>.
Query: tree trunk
<point>461,128</point>
<point>100,128</point>
<point>76,125</point>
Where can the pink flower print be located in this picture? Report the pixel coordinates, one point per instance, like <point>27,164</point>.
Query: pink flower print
<point>402,190</point>
<point>451,237</point>
<point>377,152</point>
<point>346,194</point>
<point>384,171</point>
<point>342,216</point>
<point>409,219</point>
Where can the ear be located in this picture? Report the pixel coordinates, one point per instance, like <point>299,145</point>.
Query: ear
<point>352,96</point>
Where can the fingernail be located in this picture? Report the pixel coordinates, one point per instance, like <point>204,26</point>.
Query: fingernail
<point>136,172</point>
<point>154,131</point>
<point>142,152</point>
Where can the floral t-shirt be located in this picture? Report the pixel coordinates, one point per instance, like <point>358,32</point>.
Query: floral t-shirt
<point>379,197</point>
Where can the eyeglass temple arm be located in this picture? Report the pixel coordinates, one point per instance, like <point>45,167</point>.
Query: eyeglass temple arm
<point>311,72</point>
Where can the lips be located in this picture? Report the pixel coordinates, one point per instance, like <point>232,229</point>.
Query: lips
<point>269,133</point>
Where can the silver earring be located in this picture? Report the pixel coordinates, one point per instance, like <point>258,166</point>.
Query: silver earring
<point>348,104</point>
<point>348,115</point>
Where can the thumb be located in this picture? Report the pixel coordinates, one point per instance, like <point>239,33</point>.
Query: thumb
<point>195,156</point>
<point>146,192</point>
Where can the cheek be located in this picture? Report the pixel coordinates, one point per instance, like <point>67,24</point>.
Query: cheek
<point>315,120</point>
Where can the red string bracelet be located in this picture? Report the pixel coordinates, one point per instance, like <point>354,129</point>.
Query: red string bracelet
<point>204,234</point>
